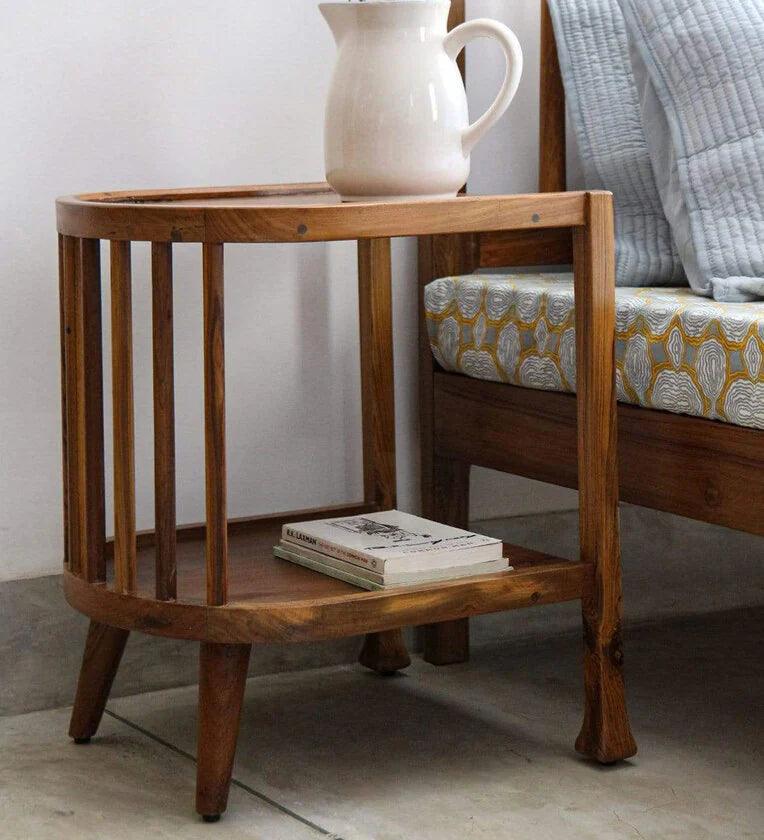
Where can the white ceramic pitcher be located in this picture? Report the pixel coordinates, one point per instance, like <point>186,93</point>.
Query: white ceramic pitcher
<point>397,124</point>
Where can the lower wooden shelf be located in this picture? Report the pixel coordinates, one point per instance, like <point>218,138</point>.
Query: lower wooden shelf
<point>273,600</point>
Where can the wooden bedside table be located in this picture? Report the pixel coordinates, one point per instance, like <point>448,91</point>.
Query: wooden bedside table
<point>217,582</point>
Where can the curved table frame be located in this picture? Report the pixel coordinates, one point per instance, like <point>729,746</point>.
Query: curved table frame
<point>216,582</point>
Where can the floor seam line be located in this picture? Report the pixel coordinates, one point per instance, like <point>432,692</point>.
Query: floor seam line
<point>235,782</point>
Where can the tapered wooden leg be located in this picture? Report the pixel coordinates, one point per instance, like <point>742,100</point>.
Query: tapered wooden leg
<point>103,651</point>
<point>448,643</point>
<point>222,677</point>
<point>385,652</point>
<point>605,734</point>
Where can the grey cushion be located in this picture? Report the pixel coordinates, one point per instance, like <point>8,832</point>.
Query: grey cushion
<point>604,110</point>
<point>698,65</point>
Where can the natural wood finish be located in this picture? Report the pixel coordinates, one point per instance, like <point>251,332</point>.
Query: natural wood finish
<point>308,217</point>
<point>62,342</point>
<point>375,309</point>
<point>375,305</point>
<point>214,426</point>
<point>273,600</point>
<point>69,283</point>
<point>104,647</point>
<point>90,413</point>
<point>441,256</point>
<point>385,653</point>
<point>123,417</point>
<point>605,734</point>
<point>222,679</point>
<point>702,469</point>
<point>245,525</point>
<point>552,153</point>
<point>526,248</point>
<point>448,643</point>
<point>164,420</point>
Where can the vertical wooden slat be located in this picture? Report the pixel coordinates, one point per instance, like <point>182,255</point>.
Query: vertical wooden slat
<point>71,295</point>
<point>65,471</point>
<point>552,157</point>
<point>164,421</point>
<point>382,652</point>
<point>64,443</point>
<point>90,413</point>
<point>123,422</point>
<point>214,424</point>
<point>377,386</point>
<point>605,734</point>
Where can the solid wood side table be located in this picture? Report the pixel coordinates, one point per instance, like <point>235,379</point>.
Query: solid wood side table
<point>217,582</point>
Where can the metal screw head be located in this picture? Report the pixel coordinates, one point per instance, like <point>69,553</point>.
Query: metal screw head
<point>302,230</point>
<point>536,217</point>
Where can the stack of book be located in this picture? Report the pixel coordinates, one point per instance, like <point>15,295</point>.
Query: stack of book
<point>389,548</point>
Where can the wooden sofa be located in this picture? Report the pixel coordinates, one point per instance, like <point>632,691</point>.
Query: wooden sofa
<point>698,468</point>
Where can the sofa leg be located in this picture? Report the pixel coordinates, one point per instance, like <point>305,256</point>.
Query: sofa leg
<point>606,734</point>
<point>447,643</point>
<point>222,678</point>
<point>103,651</point>
<point>385,652</point>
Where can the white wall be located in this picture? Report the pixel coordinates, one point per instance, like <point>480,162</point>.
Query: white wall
<point>117,95</point>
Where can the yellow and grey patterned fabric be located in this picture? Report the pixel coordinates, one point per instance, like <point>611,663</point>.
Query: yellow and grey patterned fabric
<point>675,351</point>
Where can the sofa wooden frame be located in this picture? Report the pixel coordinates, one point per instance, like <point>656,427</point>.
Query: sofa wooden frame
<point>702,469</point>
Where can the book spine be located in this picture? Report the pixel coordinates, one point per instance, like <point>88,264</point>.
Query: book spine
<point>330,571</point>
<point>357,558</point>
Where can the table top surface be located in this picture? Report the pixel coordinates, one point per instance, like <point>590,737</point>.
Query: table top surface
<point>300,213</point>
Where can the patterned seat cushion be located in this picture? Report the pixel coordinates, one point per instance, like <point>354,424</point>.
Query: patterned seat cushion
<point>675,351</point>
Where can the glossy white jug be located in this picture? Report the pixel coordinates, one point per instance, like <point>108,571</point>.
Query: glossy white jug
<point>397,124</point>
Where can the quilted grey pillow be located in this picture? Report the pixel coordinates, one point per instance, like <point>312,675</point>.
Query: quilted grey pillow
<point>699,65</point>
<point>605,115</point>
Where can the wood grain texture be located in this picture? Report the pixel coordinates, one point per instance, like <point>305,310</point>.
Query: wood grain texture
<point>310,217</point>
<point>273,600</point>
<point>245,525</point>
<point>605,734</point>
<point>689,466</point>
<point>123,417</point>
<point>375,304</point>
<point>448,643</point>
<point>525,248</point>
<point>71,304</point>
<point>552,151</point>
<point>90,413</point>
<point>62,293</point>
<point>214,425</point>
<point>375,309</point>
<point>104,647</point>
<point>164,420</point>
<point>222,679</point>
<point>444,484</point>
<point>439,256</point>
<point>385,653</point>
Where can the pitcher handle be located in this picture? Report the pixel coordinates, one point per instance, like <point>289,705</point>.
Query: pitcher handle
<point>455,42</point>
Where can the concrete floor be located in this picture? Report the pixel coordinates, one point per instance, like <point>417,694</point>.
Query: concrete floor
<point>476,750</point>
